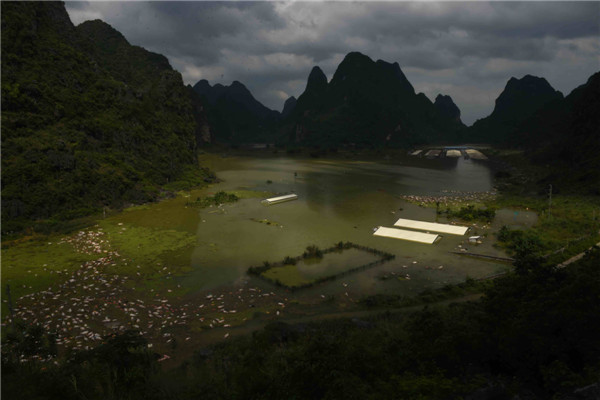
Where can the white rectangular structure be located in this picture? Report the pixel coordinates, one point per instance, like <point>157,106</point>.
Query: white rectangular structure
<point>431,226</point>
<point>280,199</point>
<point>476,154</point>
<point>406,235</point>
<point>433,153</point>
<point>453,153</point>
<point>416,152</point>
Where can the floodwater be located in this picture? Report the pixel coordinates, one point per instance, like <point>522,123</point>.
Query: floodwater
<point>189,264</point>
<point>337,201</point>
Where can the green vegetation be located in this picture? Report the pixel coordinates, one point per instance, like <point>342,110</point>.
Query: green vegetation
<point>470,213</point>
<point>265,221</point>
<point>88,121</point>
<point>217,199</point>
<point>534,334</point>
<point>571,223</point>
<point>469,287</point>
<point>286,275</point>
<point>287,261</point>
<point>558,140</point>
<point>149,247</point>
<point>313,251</point>
<point>34,265</point>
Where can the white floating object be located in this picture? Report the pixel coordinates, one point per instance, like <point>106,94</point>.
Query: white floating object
<point>406,235</point>
<point>280,199</point>
<point>474,239</point>
<point>431,226</point>
<point>475,154</point>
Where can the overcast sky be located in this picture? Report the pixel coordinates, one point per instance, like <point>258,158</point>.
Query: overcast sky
<point>465,50</point>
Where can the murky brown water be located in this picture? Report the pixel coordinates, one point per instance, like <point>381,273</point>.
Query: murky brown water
<point>338,201</point>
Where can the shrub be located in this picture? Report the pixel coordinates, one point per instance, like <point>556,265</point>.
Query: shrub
<point>289,260</point>
<point>313,251</point>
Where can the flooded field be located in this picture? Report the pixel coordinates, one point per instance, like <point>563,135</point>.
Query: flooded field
<point>172,270</point>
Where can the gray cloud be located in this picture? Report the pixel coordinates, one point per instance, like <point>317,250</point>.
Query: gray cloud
<point>466,50</point>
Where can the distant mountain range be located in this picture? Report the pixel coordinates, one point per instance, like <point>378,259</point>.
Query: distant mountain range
<point>371,103</point>
<point>236,115</point>
<point>368,103</point>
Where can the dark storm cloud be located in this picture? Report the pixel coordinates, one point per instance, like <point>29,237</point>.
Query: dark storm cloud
<point>212,20</point>
<point>467,50</point>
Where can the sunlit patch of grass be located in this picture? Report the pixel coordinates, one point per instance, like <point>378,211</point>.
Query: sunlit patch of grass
<point>34,265</point>
<point>150,257</point>
<point>143,244</point>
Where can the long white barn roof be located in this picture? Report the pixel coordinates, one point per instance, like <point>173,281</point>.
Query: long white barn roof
<point>431,226</point>
<point>280,199</point>
<point>406,235</point>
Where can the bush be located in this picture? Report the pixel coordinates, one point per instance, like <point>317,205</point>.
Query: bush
<point>313,251</point>
<point>219,198</point>
<point>289,261</point>
<point>470,213</point>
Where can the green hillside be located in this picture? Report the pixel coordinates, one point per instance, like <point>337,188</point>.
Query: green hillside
<point>87,119</point>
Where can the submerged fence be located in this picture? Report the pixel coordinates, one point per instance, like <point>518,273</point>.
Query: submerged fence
<point>258,271</point>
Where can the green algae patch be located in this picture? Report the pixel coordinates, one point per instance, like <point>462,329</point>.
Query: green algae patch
<point>151,258</point>
<point>169,214</point>
<point>265,221</point>
<point>149,252</point>
<point>287,275</point>
<point>143,244</point>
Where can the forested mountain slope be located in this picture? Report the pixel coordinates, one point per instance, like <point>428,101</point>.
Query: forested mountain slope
<point>520,99</point>
<point>367,103</point>
<point>239,117</point>
<point>87,119</point>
